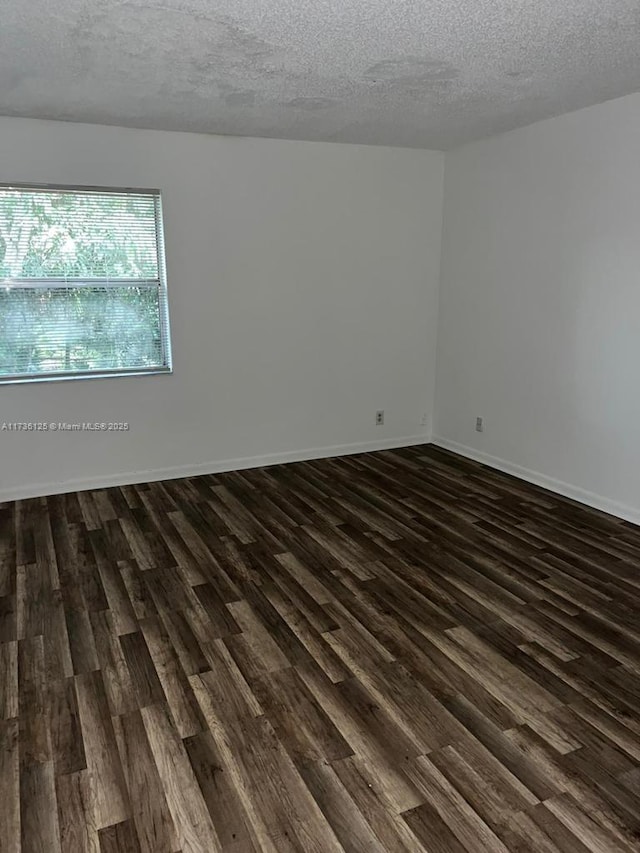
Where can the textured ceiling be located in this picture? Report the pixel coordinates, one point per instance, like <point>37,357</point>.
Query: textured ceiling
<point>420,73</point>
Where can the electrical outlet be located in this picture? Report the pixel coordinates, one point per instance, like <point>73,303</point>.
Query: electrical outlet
<point>479,424</point>
<point>424,420</point>
<point>380,417</point>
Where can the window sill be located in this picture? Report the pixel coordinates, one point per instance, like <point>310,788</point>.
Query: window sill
<point>61,377</point>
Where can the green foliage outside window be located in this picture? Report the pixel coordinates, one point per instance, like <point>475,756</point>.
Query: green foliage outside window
<point>79,283</point>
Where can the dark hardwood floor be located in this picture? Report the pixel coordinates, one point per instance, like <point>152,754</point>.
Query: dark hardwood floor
<point>397,651</point>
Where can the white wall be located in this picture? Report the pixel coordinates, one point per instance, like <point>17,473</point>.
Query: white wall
<point>539,328</point>
<point>303,285</point>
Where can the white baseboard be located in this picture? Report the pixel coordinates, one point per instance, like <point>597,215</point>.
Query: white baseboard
<point>175,472</point>
<point>128,478</point>
<point>628,513</point>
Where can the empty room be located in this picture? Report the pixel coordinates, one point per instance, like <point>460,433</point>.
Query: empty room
<point>320,426</point>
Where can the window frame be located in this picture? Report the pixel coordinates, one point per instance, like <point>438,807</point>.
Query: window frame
<point>165,331</point>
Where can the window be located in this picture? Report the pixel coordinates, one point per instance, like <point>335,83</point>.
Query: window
<point>82,283</point>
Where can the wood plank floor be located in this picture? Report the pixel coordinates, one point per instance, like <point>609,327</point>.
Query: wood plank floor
<point>397,651</point>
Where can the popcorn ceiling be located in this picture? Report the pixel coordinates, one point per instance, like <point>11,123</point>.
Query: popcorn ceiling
<point>418,73</point>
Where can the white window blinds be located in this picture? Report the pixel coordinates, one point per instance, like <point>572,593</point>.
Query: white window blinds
<point>82,283</point>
